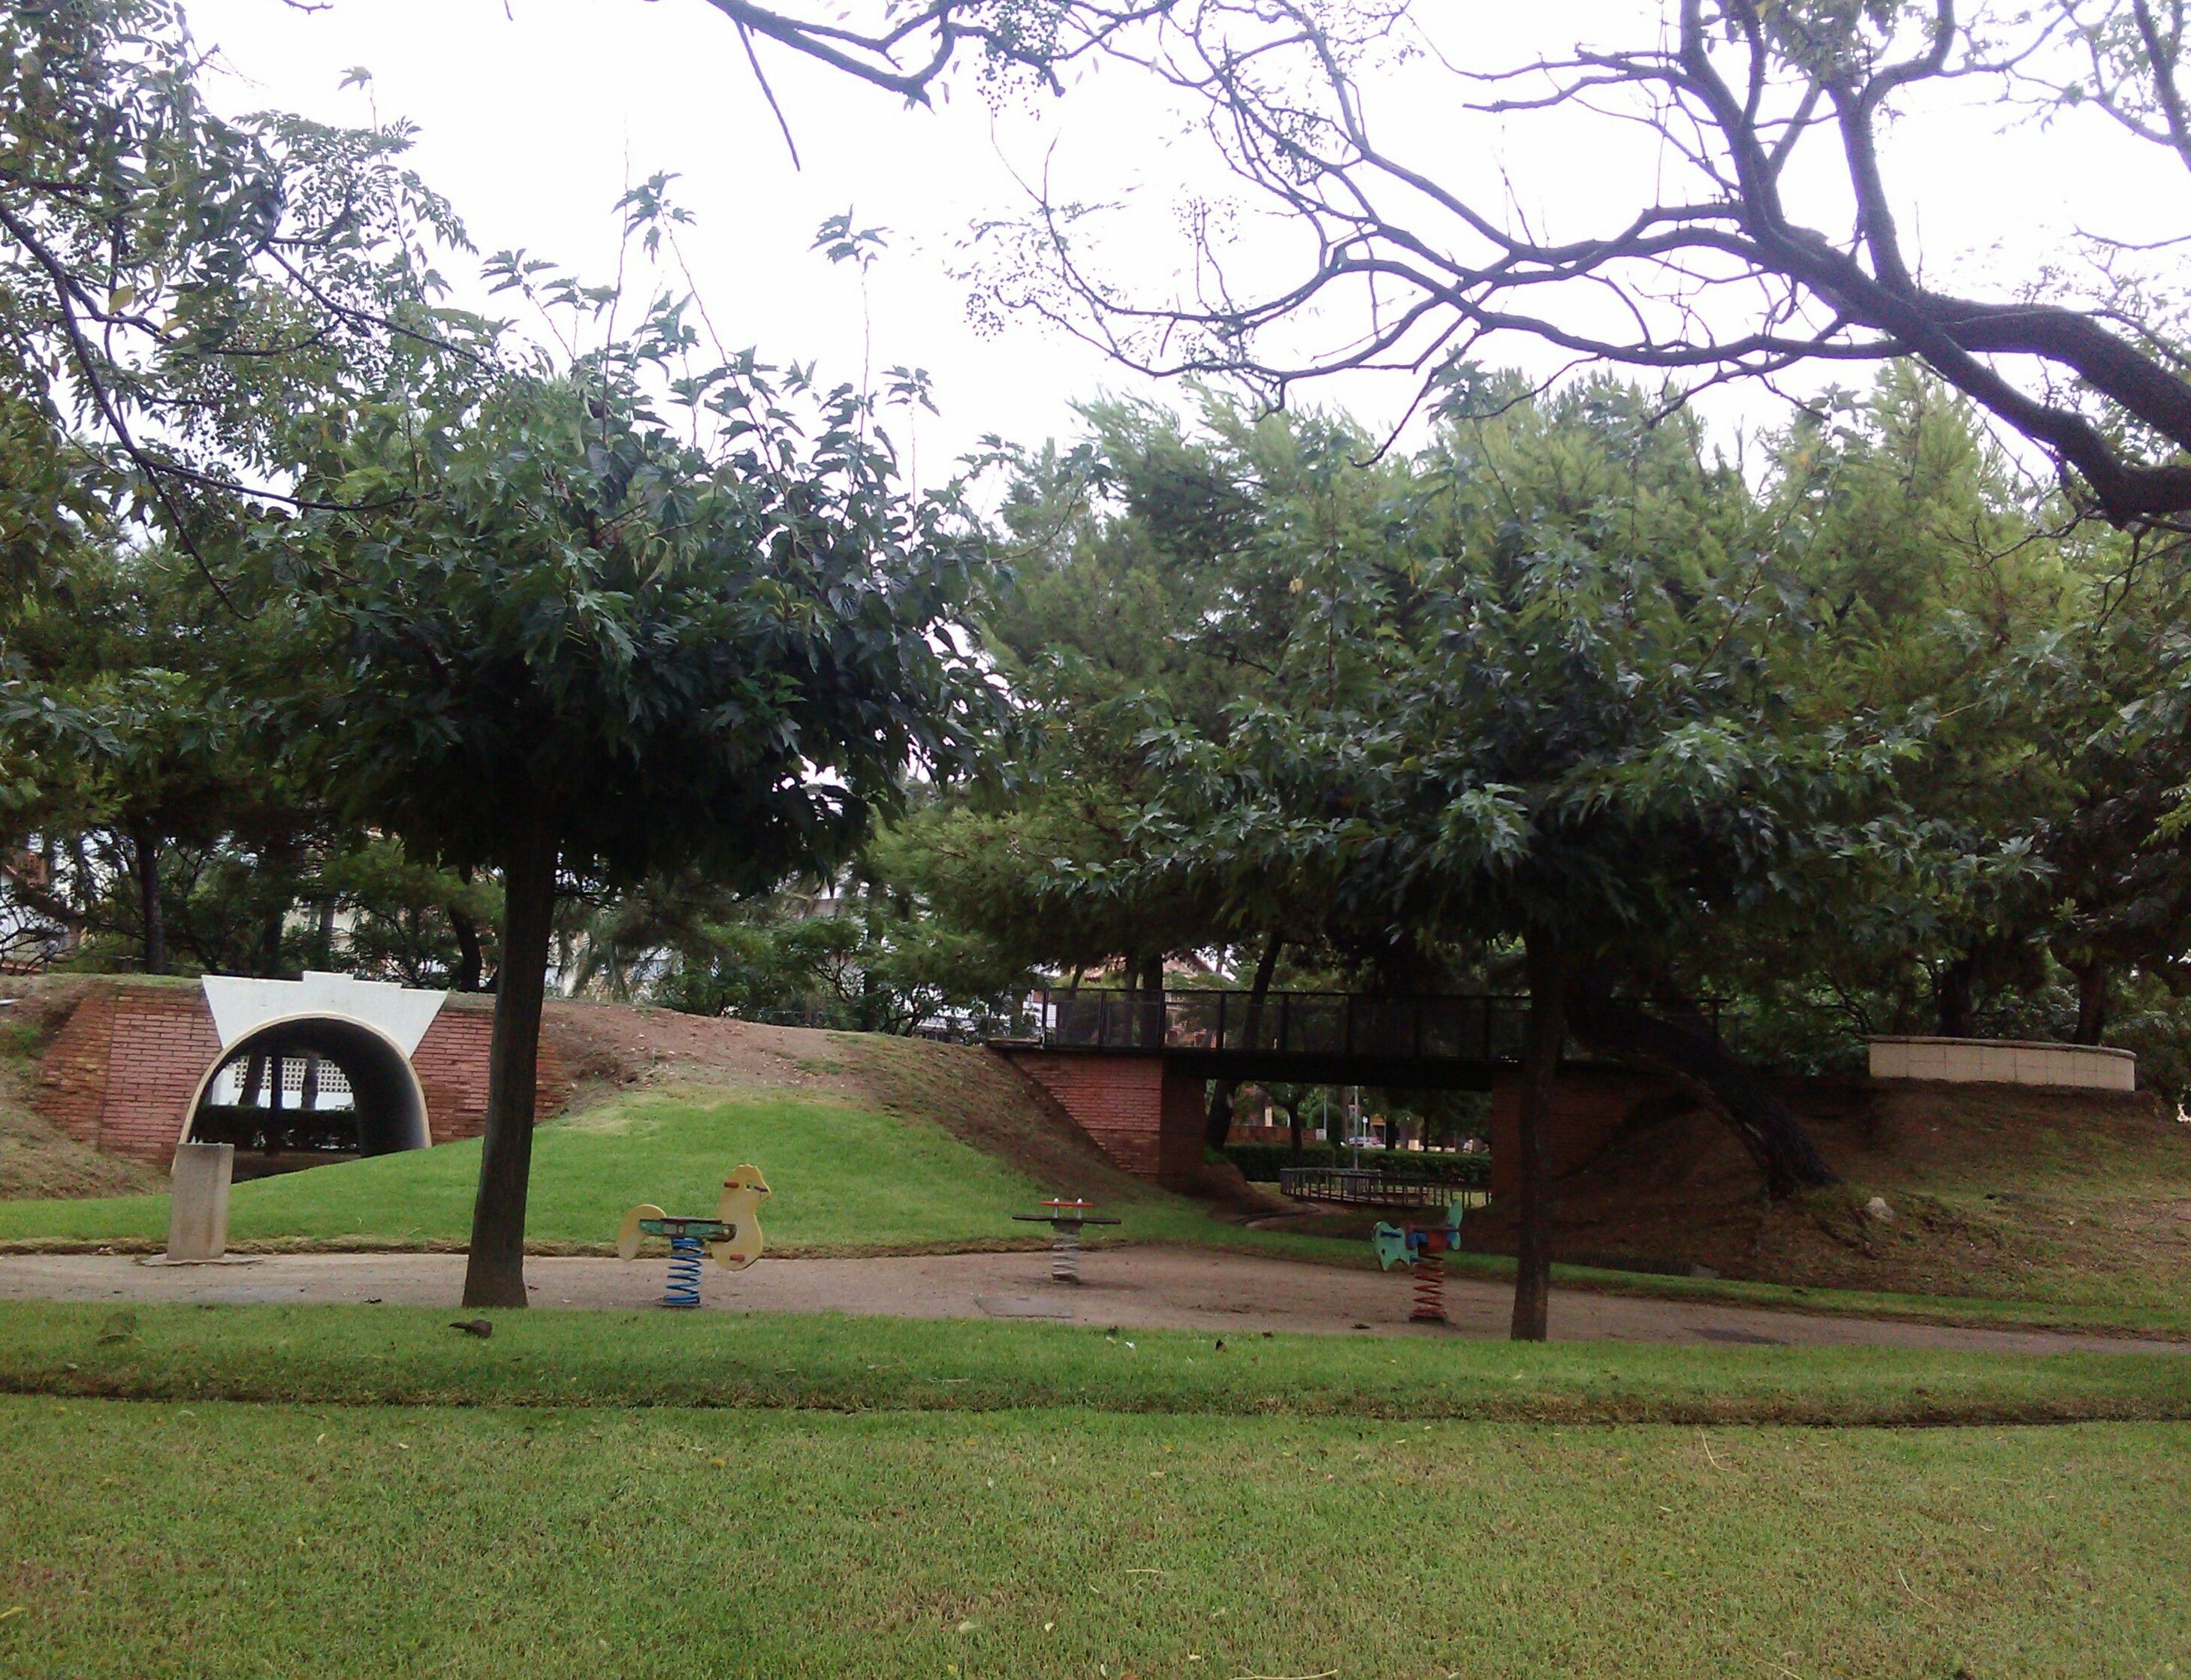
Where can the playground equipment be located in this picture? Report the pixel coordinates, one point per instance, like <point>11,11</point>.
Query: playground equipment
<point>1065,1219</point>
<point>1422,1248</point>
<point>732,1236</point>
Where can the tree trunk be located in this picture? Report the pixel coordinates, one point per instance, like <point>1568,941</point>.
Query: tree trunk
<point>2091,1001</point>
<point>326,940</point>
<point>1148,993</point>
<point>278,1072</point>
<point>470,973</point>
<point>470,960</point>
<point>270,944</point>
<point>495,1275</point>
<point>1540,1071</point>
<point>1951,997</point>
<point>1219,1125</point>
<point>146,846</point>
<point>1293,1131</point>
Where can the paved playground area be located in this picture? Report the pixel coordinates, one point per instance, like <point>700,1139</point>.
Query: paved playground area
<point>1130,1288</point>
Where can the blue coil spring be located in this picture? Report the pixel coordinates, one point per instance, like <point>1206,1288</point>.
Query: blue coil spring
<point>684,1290</point>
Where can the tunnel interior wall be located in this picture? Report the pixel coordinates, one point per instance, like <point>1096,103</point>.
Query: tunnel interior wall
<point>389,1105</point>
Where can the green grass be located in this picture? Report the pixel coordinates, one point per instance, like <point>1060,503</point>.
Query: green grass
<point>217,1540</point>
<point>844,1179</point>
<point>375,1355</point>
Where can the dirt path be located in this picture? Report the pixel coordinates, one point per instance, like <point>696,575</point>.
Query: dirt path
<point>1140,1287</point>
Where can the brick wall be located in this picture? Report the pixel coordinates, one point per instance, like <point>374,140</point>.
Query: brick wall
<point>1148,1123</point>
<point>1588,1104</point>
<point>120,1072</point>
<point>72,1079</point>
<point>451,1062</point>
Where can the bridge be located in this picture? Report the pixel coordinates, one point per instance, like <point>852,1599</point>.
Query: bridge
<point>1130,1068</point>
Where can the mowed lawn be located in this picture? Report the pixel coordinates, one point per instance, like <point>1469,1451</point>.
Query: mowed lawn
<point>153,1540</point>
<point>845,1178</point>
<point>387,1355</point>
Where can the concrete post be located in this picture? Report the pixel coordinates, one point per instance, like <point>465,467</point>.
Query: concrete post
<point>198,1216</point>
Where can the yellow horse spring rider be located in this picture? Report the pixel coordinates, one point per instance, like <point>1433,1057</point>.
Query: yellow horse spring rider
<point>732,1236</point>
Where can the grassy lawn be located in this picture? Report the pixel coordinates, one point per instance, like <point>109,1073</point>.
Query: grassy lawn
<point>846,1180</point>
<point>213,1540</point>
<point>375,1355</point>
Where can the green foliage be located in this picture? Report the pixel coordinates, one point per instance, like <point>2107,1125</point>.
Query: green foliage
<point>572,615</point>
<point>863,960</point>
<point>1859,745</point>
<point>177,284</point>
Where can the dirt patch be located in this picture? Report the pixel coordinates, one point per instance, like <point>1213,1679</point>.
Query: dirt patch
<point>611,1047</point>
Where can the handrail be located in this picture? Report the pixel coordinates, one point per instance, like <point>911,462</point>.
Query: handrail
<point>1445,1027</point>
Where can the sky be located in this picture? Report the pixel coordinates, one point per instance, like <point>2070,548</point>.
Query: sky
<point>535,115</point>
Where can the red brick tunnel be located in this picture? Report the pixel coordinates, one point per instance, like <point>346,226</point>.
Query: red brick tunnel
<point>128,1070</point>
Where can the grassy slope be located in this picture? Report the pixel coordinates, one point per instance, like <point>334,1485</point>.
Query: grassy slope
<point>845,1179</point>
<point>372,1542</point>
<point>362,1355</point>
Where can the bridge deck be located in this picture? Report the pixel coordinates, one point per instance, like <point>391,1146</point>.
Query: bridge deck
<point>1455,1039</point>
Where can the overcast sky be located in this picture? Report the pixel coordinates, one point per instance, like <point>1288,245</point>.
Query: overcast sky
<point>534,115</point>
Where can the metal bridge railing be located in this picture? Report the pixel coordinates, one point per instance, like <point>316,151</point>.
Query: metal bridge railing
<point>1373,1187</point>
<point>1459,1027</point>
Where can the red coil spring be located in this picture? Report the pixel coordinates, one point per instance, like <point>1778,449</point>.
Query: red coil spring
<point>1429,1308</point>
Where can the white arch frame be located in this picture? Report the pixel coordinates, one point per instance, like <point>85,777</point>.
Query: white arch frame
<point>229,1052</point>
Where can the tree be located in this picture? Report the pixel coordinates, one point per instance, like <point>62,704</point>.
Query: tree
<point>174,281</point>
<point>132,721</point>
<point>587,641</point>
<point>1584,741</point>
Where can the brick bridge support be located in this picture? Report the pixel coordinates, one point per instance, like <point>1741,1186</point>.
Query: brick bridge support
<point>1145,1117</point>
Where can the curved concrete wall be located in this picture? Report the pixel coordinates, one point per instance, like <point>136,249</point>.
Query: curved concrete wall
<point>2008,1062</point>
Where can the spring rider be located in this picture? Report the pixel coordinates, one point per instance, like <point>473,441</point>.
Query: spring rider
<point>1422,1250</point>
<point>732,1236</point>
<point>1065,1217</point>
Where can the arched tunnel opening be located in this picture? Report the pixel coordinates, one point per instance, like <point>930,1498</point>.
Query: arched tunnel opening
<point>309,1092</point>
